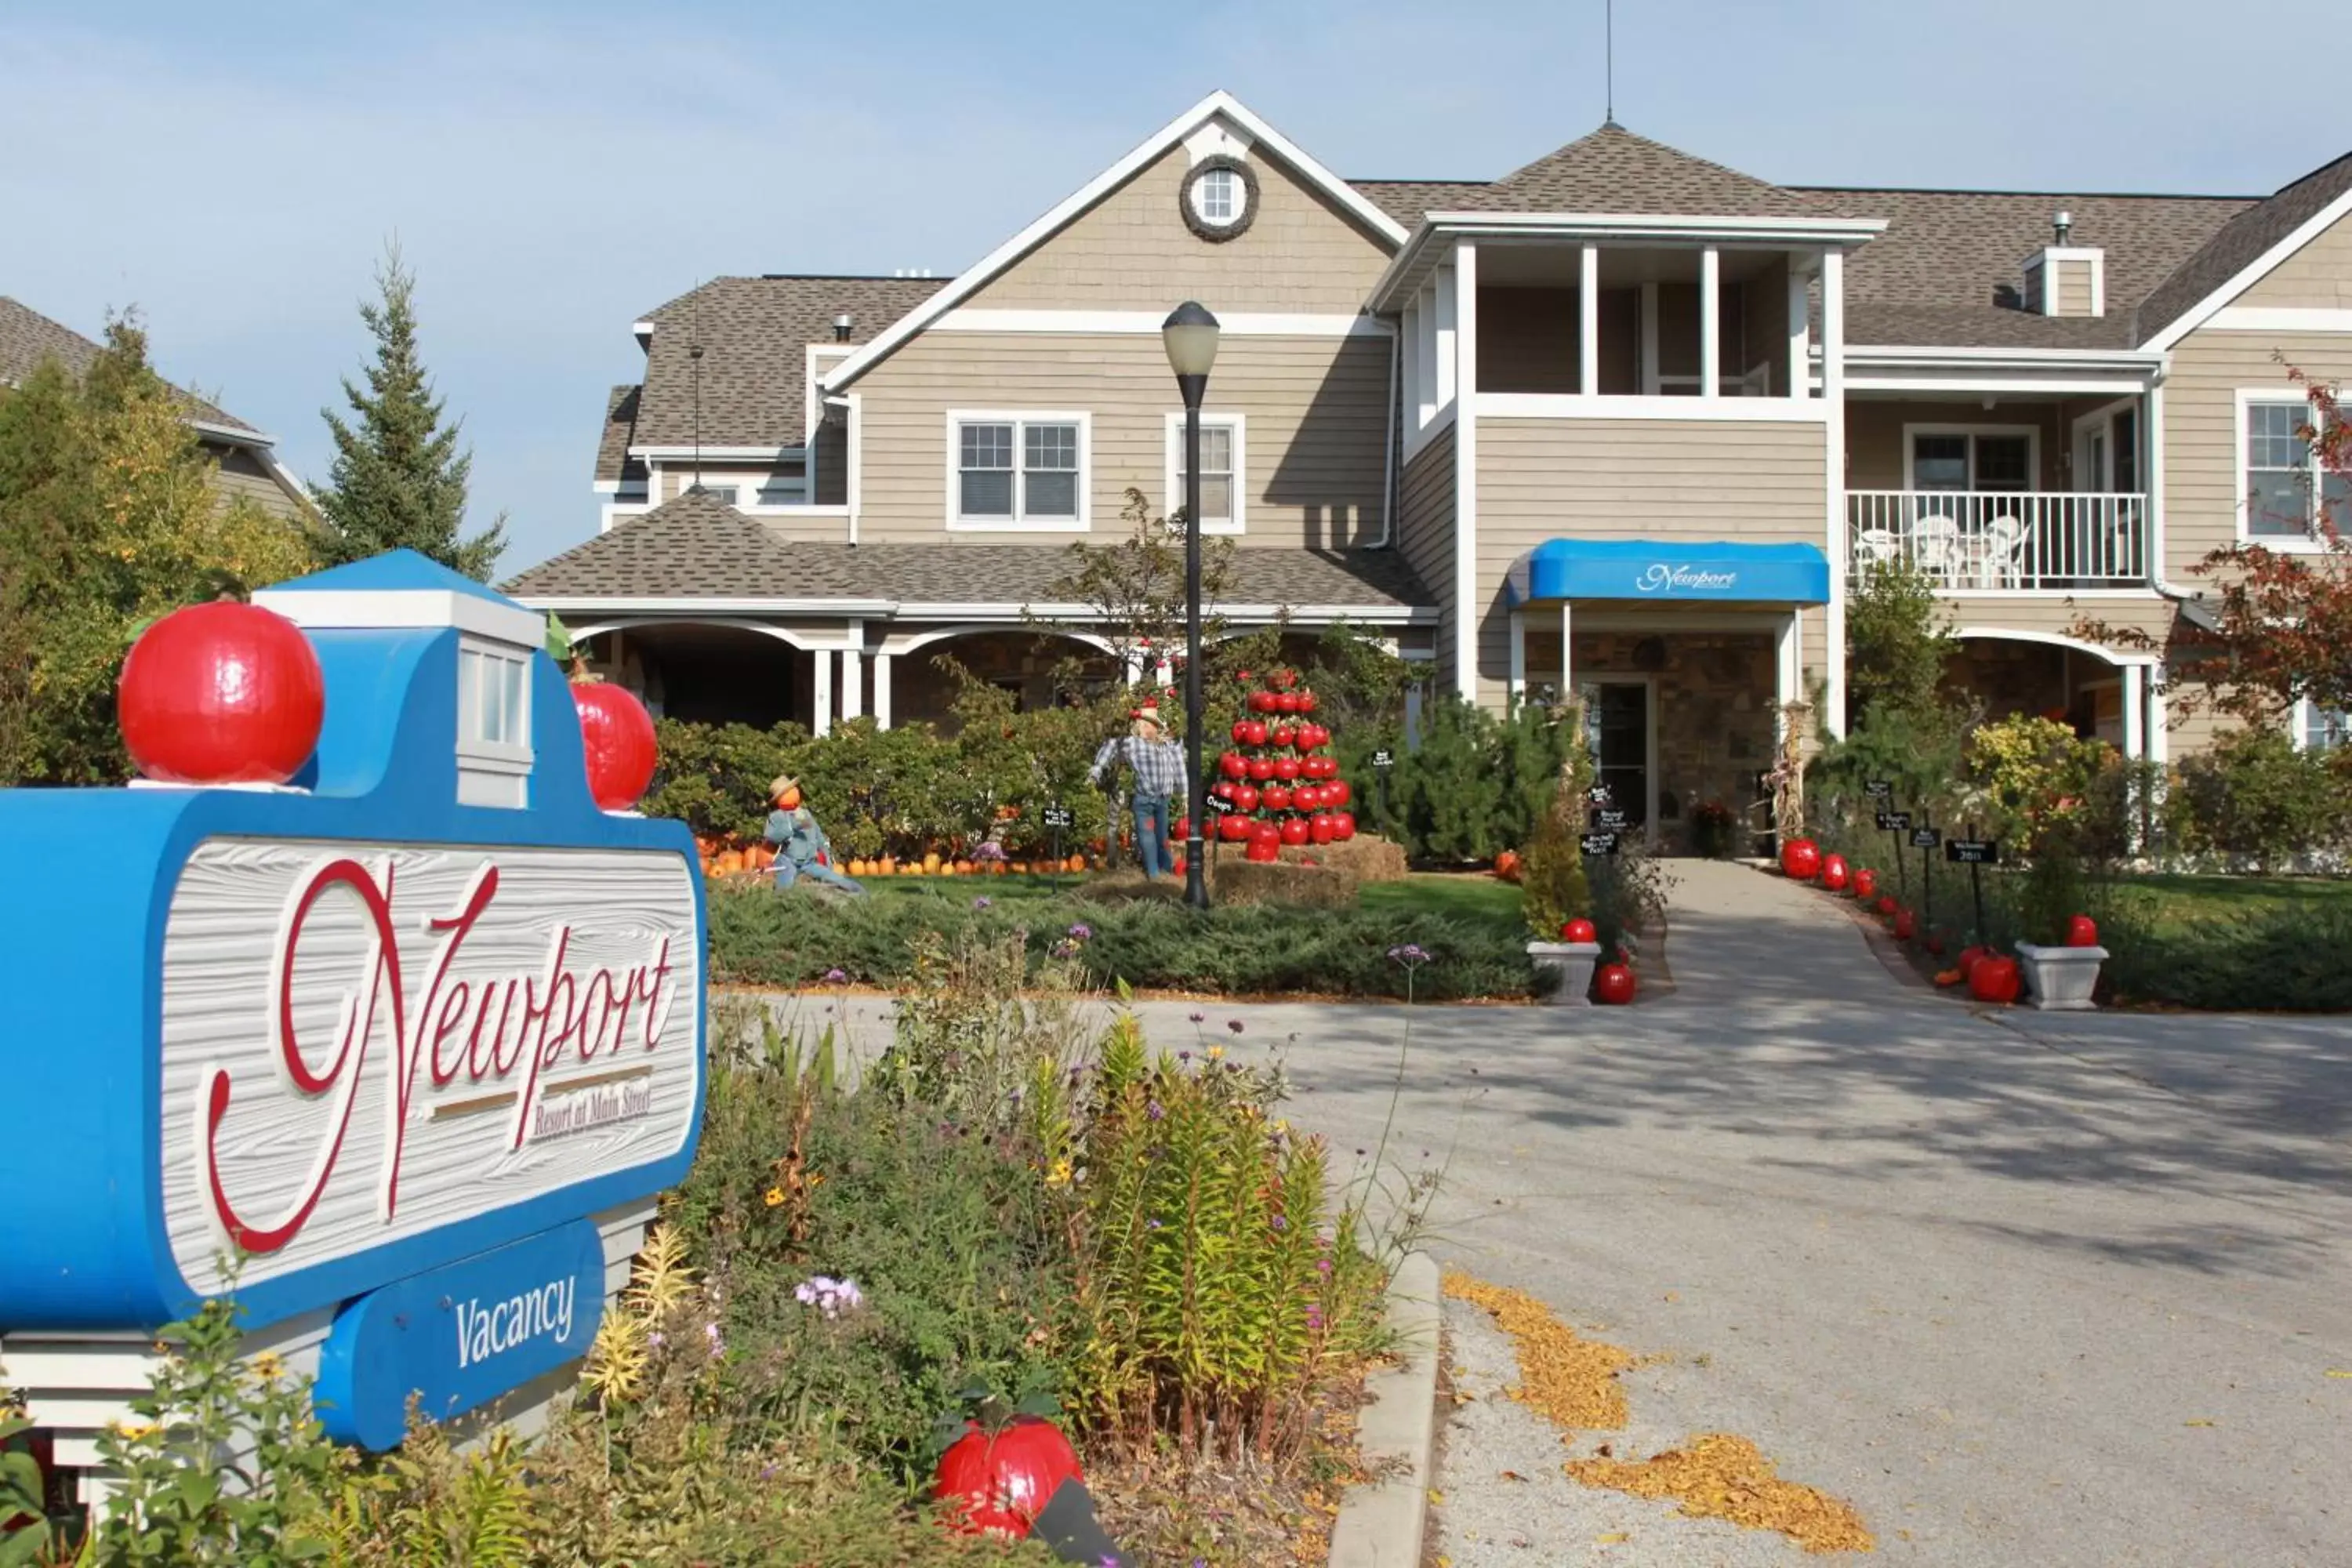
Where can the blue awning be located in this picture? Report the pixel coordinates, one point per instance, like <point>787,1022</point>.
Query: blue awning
<point>1659,569</point>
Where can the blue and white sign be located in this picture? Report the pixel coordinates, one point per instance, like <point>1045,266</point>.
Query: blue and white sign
<point>431,1010</point>
<point>1661,570</point>
<point>457,1337</point>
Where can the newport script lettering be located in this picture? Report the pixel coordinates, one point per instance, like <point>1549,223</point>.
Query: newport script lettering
<point>501,1032</point>
<point>1659,577</point>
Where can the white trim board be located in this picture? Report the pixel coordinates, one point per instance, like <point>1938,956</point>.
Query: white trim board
<point>2253,272</point>
<point>1576,406</point>
<point>1147,323</point>
<point>424,609</point>
<point>1150,150</point>
<point>2279,319</point>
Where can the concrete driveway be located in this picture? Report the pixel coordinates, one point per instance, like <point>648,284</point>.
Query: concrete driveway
<point>2027,1290</point>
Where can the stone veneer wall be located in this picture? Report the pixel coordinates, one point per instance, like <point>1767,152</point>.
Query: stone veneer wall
<point>1715,720</point>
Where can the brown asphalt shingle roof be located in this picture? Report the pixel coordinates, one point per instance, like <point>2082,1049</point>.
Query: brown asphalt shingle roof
<point>1409,201</point>
<point>2241,242</point>
<point>620,420</point>
<point>754,333</point>
<point>1949,268</point>
<point>28,337</point>
<point>1614,171</point>
<point>697,546</point>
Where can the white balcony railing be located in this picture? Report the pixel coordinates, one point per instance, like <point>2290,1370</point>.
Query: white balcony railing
<point>2033,541</point>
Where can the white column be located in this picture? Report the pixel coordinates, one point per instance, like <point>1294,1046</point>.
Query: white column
<point>1800,335</point>
<point>852,683</point>
<point>1789,648</point>
<point>1588,324</point>
<point>1567,655</point>
<point>882,691</point>
<point>1518,682</point>
<point>821,716</point>
<point>2134,685</point>
<point>1416,406</point>
<point>1466,596</point>
<point>1650,387</point>
<point>1710,321</point>
<point>2159,743</point>
<point>1449,320</point>
<point>1834,426</point>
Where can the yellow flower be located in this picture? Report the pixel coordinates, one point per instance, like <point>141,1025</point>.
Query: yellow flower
<point>133,1430</point>
<point>1216,1053</point>
<point>268,1367</point>
<point>1061,1175</point>
<point>1282,1128</point>
<point>775,1196</point>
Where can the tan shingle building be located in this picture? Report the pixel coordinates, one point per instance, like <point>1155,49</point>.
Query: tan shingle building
<point>1623,419</point>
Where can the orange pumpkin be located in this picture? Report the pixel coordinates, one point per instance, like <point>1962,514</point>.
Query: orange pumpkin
<point>930,863</point>
<point>1949,977</point>
<point>729,863</point>
<point>963,868</point>
<point>1077,863</point>
<point>1507,865</point>
<point>886,867</point>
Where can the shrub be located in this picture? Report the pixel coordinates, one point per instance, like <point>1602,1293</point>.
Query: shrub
<point>2289,957</point>
<point>1476,785</point>
<point>1555,889</point>
<point>2256,797</point>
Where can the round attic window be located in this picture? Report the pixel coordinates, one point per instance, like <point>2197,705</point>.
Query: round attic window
<point>1220,198</point>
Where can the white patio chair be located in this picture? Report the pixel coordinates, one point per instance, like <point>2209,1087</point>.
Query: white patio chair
<point>1935,546</point>
<point>1877,546</point>
<point>2000,550</point>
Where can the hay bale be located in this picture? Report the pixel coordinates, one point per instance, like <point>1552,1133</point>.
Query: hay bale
<point>1366,857</point>
<point>1234,881</point>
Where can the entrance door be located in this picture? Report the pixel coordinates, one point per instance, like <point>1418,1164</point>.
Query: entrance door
<point>1619,727</point>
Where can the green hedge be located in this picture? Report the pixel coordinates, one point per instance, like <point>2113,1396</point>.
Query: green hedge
<point>2281,957</point>
<point>793,938</point>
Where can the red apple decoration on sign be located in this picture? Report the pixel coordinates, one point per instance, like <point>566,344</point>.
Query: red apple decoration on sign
<point>997,1483</point>
<point>1994,978</point>
<point>2082,931</point>
<point>618,735</point>
<point>1579,929</point>
<point>1613,985</point>
<point>220,694</point>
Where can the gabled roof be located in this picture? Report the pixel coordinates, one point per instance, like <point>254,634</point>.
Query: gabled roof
<point>698,547</point>
<point>1217,105</point>
<point>754,334</point>
<point>2248,245</point>
<point>28,337</point>
<point>1949,269</point>
<point>1614,171</point>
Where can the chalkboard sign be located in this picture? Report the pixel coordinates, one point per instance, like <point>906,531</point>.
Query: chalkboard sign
<point>1895,822</point>
<point>1219,805</point>
<point>1877,789</point>
<point>1381,759</point>
<point>1926,838</point>
<point>1599,795</point>
<point>1599,843</point>
<point>1972,851</point>
<point>1056,817</point>
<point>1615,818</point>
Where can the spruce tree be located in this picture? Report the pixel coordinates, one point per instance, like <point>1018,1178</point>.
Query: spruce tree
<point>399,480</point>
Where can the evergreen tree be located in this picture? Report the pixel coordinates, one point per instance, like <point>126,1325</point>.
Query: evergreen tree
<point>399,480</point>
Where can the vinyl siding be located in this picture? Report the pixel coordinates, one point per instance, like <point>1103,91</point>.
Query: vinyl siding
<point>1312,409</point>
<point>1756,482</point>
<point>1132,251</point>
<point>2202,478</point>
<point>2055,614</point>
<point>2317,277</point>
<point>238,473</point>
<point>1425,533</point>
<point>2073,288</point>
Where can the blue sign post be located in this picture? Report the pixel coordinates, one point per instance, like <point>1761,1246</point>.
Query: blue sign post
<point>404,1042</point>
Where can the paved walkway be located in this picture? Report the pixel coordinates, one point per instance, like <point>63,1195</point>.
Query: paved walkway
<point>1736,937</point>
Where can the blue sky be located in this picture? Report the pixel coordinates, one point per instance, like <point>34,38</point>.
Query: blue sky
<point>552,171</point>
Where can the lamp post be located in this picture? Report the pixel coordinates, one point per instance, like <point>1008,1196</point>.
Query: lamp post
<point>1189,335</point>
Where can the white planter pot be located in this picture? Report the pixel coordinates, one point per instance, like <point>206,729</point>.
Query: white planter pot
<point>1571,963</point>
<point>2060,978</point>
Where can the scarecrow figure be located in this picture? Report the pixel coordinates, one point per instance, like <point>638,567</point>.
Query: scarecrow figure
<point>802,847</point>
<point>1157,763</point>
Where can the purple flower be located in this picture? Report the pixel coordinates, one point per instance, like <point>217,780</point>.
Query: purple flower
<point>1155,1110</point>
<point>718,1340</point>
<point>1082,931</point>
<point>983,902</point>
<point>1410,954</point>
<point>835,976</point>
<point>1194,1017</point>
<point>1323,1267</point>
<point>1234,1024</point>
<point>1280,1223</point>
<point>1151,1224</point>
<point>1314,1316</point>
<point>830,1295</point>
<point>1185,1056</point>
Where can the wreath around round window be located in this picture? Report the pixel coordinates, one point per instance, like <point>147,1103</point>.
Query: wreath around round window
<point>1218,233</point>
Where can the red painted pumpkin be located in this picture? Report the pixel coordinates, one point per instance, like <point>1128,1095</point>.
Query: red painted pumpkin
<point>1257,736</point>
<point>1800,859</point>
<point>1286,768</point>
<point>1935,943</point>
<point>1283,735</point>
<point>1320,827</point>
<point>1886,904</point>
<point>1579,929</point>
<point>1833,873</point>
<point>1906,925</point>
<point>1294,830</point>
<point>1343,825</point>
<point>1306,702</point>
<point>997,1483</point>
<point>1613,985</point>
<point>617,734</point>
<point>1245,797</point>
<point>222,694</point>
<point>1233,765</point>
<point>1865,884</point>
<point>2082,931</point>
<point>1970,957</point>
<point>1233,829</point>
<point>1286,702</point>
<point>1262,702</point>
<point>1261,769</point>
<point>1275,797</point>
<point>1344,795</point>
<point>1994,978</point>
<point>1264,849</point>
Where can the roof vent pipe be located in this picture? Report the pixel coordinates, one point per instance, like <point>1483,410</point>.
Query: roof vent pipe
<point>841,326</point>
<point>2062,225</point>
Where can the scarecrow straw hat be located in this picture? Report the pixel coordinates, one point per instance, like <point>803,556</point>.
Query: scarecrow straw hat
<point>781,783</point>
<point>1148,714</point>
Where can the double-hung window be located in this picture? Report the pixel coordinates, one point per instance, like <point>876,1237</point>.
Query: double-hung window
<point>2286,490</point>
<point>1225,453</point>
<point>1972,460</point>
<point>2318,728</point>
<point>494,751</point>
<point>1018,470</point>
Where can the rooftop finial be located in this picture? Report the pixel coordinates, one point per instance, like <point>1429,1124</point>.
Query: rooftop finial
<point>1608,63</point>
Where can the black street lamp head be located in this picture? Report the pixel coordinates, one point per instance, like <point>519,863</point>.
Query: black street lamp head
<point>1189,335</point>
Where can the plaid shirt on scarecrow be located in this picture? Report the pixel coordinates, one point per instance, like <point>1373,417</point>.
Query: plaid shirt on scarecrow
<point>1159,765</point>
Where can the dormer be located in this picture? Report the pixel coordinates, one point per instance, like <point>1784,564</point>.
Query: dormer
<point>2064,278</point>
<point>497,641</point>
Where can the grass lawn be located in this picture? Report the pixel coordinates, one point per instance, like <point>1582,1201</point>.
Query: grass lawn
<point>2173,903</point>
<point>1464,895</point>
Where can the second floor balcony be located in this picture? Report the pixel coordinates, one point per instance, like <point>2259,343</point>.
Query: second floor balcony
<point>2013,541</point>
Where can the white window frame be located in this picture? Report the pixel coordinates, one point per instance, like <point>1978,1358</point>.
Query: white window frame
<point>1197,197</point>
<point>492,772</point>
<point>2311,541</point>
<point>1174,474</point>
<point>1020,419</point>
<point>2300,721</point>
<point>2032,434</point>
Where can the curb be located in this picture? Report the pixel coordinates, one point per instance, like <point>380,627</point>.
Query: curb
<point>1381,1524</point>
